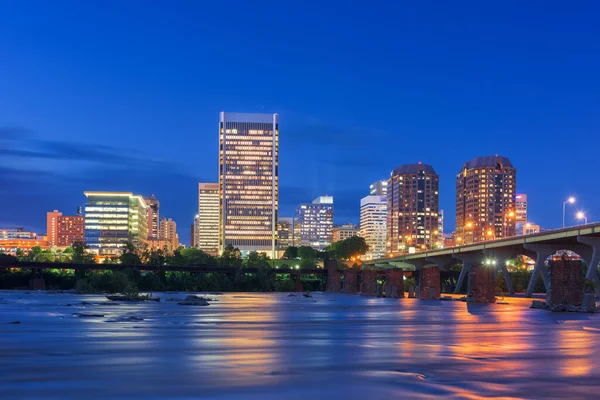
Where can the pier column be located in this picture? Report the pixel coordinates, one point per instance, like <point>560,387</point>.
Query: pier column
<point>299,284</point>
<point>350,285</point>
<point>566,283</point>
<point>499,258</point>
<point>468,260</point>
<point>334,282</point>
<point>368,286</point>
<point>592,273</point>
<point>542,252</point>
<point>394,283</point>
<point>429,283</point>
<point>482,284</point>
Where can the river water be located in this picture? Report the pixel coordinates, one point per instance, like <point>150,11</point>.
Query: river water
<point>271,346</point>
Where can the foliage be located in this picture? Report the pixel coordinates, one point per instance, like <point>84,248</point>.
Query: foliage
<point>291,253</point>
<point>410,281</point>
<point>307,253</point>
<point>80,255</point>
<point>231,256</point>
<point>349,248</point>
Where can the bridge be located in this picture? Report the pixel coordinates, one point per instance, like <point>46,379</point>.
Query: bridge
<point>583,240</point>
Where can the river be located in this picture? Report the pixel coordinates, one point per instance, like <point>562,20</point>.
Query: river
<point>271,346</point>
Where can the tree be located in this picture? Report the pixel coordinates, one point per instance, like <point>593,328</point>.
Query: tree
<point>348,248</point>
<point>232,256</point>
<point>194,256</point>
<point>256,259</point>
<point>80,255</point>
<point>306,253</point>
<point>291,253</point>
<point>130,255</point>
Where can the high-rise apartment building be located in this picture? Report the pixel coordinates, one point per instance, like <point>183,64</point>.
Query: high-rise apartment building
<point>207,220</point>
<point>373,222</point>
<point>248,181</point>
<point>168,233</point>
<point>285,232</point>
<point>114,218</point>
<point>345,231</point>
<point>412,211</point>
<point>440,229</point>
<point>485,200</point>
<point>314,222</point>
<point>521,208</point>
<point>64,230</point>
<point>378,188</point>
<point>153,216</point>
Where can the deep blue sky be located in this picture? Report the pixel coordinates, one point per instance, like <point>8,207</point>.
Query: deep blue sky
<point>125,95</point>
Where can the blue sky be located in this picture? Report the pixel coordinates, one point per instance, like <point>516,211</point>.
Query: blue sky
<point>125,95</point>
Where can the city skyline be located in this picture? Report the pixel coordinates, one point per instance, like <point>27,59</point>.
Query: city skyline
<point>119,118</point>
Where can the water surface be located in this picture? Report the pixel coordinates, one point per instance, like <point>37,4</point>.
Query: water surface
<point>271,346</point>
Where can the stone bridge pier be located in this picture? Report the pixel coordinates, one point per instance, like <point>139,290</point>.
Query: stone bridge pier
<point>394,283</point>
<point>334,282</point>
<point>36,281</point>
<point>351,282</point>
<point>368,284</point>
<point>299,284</point>
<point>481,283</point>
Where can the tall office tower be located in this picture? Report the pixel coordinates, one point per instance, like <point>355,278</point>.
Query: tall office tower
<point>412,212</point>
<point>378,188</point>
<point>207,220</point>
<point>440,229</point>
<point>345,231</point>
<point>168,233</point>
<point>64,230</point>
<point>285,232</point>
<point>521,208</point>
<point>114,218</point>
<point>248,180</point>
<point>153,216</point>
<point>315,223</point>
<point>373,222</point>
<point>485,200</point>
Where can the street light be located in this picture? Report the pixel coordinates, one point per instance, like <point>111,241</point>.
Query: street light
<point>581,215</point>
<point>570,200</point>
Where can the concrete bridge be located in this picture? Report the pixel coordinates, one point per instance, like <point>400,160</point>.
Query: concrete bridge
<point>482,261</point>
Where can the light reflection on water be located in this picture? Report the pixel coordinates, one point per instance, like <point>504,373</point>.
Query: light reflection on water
<point>271,346</point>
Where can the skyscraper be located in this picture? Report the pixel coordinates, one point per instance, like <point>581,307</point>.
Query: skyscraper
<point>373,222</point>
<point>114,218</point>
<point>153,216</point>
<point>412,211</point>
<point>285,232</point>
<point>168,233</point>
<point>485,200</point>
<point>521,208</point>
<point>207,220</point>
<point>314,222</point>
<point>248,181</point>
<point>378,188</point>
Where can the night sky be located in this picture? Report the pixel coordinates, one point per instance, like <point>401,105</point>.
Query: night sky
<point>125,95</point>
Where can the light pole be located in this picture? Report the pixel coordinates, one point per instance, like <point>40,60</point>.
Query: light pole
<point>581,215</point>
<point>570,200</point>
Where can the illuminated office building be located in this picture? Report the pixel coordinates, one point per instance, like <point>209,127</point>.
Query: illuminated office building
<point>373,216</point>
<point>345,231</point>
<point>248,181</point>
<point>168,233</point>
<point>378,188</point>
<point>153,216</point>
<point>285,232</point>
<point>485,200</point>
<point>412,210</point>
<point>113,219</point>
<point>207,219</point>
<point>314,222</point>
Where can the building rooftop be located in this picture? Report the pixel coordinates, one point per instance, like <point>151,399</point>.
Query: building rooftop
<point>488,161</point>
<point>414,168</point>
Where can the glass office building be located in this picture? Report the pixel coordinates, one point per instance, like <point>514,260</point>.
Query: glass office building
<point>113,219</point>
